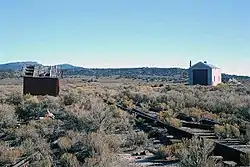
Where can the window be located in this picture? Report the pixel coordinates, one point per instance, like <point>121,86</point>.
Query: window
<point>219,78</point>
<point>214,78</point>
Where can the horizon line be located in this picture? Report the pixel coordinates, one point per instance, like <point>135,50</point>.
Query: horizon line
<point>113,67</point>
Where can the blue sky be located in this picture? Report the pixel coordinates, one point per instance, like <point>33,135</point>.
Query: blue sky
<point>127,33</point>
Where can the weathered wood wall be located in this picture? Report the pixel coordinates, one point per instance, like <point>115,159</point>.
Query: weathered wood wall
<point>41,86</point>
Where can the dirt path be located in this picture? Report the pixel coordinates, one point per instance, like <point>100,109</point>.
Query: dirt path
<point>145,161</point>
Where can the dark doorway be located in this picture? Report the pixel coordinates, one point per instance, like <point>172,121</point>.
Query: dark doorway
<point>200,77</point>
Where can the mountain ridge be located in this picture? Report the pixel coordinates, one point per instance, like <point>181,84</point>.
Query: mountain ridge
<point>71,70</point>
<point>14,66</point>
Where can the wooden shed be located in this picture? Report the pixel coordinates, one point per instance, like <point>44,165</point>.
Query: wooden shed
<point>37,81</point>
<point>41,86</point>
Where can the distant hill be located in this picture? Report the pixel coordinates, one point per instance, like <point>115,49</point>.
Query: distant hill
<point>173,74</point>
<point>15,65</point>
<point>67,66</point>
<point>169,74</point>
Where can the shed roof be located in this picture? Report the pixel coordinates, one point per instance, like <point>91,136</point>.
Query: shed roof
<point>211,65</point>
<point>206,64</point>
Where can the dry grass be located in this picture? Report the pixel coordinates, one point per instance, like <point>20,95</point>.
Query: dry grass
<point>171,151</point>
<point>227,131</point>
<point>196,154</point>
<point>91,133</point>
<point>9,155</point>
<point>7,116</point>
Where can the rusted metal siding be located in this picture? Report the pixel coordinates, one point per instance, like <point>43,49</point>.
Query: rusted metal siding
<point>41,86</point>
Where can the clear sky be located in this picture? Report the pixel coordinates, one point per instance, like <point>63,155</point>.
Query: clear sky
<point>127,33</point>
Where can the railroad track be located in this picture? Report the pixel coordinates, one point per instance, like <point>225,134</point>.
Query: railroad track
<point>230,149</point>
<point>24,161</point>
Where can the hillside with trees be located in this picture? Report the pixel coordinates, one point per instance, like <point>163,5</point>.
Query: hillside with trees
<point>176,75</point>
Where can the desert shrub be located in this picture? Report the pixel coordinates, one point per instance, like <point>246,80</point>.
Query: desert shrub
<point>64,143</point>
<point>235,131</point>
<point>199,114</point>
<point>169,118</point>
<point>8,155</point>
<point>68,160</point>
<point>245,137</point>
<point>28,146</point>
<point>75,137</point>
<point>209,115</point>
<point>244,114</point>
<point>7,116</point>
<point>227,131</point>
<point>2,98</point>
<point>46,127</point>
<point>248,131</point>
<point>114,142</point>
<point>228,118</point>
<point>196,154</point>
<point>45,162</point>
<point>158,106</point>
<point>193,112</point>
<point>31,99</point>
<point>166,88</point>
<point>27,132</point>
<point>101,154</point>
<point>70,98</point>
<point>173,122</point>
<point>136,138</point>
<point>166,114</point>
<point>245,159</point>
<point>32,107</point>
<point>170,150</point>
<point>38,146</point>
<point>176,100</point>
<point>206,99</point>
<point>127,103</point>
<point>53,103</point>
<point>191,100</point>
<point>220,131</point>
<point>32,142</point>
<point>15,98</point>
<point>28,109</point>
<point>217,102</point>
<point>95,115</point>
<point>120,121</point>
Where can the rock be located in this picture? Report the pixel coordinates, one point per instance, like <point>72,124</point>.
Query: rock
<point>229,163</point>
<point>49,114</point>
<point>157,142</point>
<point>135,154</point>
<point>143,153</point>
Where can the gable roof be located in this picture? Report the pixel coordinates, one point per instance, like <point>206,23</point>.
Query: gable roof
<point>205,64</point>
<point>211,65</point>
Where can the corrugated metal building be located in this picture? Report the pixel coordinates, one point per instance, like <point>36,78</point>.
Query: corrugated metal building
<point>203,73</point>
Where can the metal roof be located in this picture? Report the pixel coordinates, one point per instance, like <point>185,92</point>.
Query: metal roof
<point>206,64</point>
<point>210,65</point>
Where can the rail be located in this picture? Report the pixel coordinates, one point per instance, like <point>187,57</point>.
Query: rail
<point>24,162</point>
<point>222,148</point>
